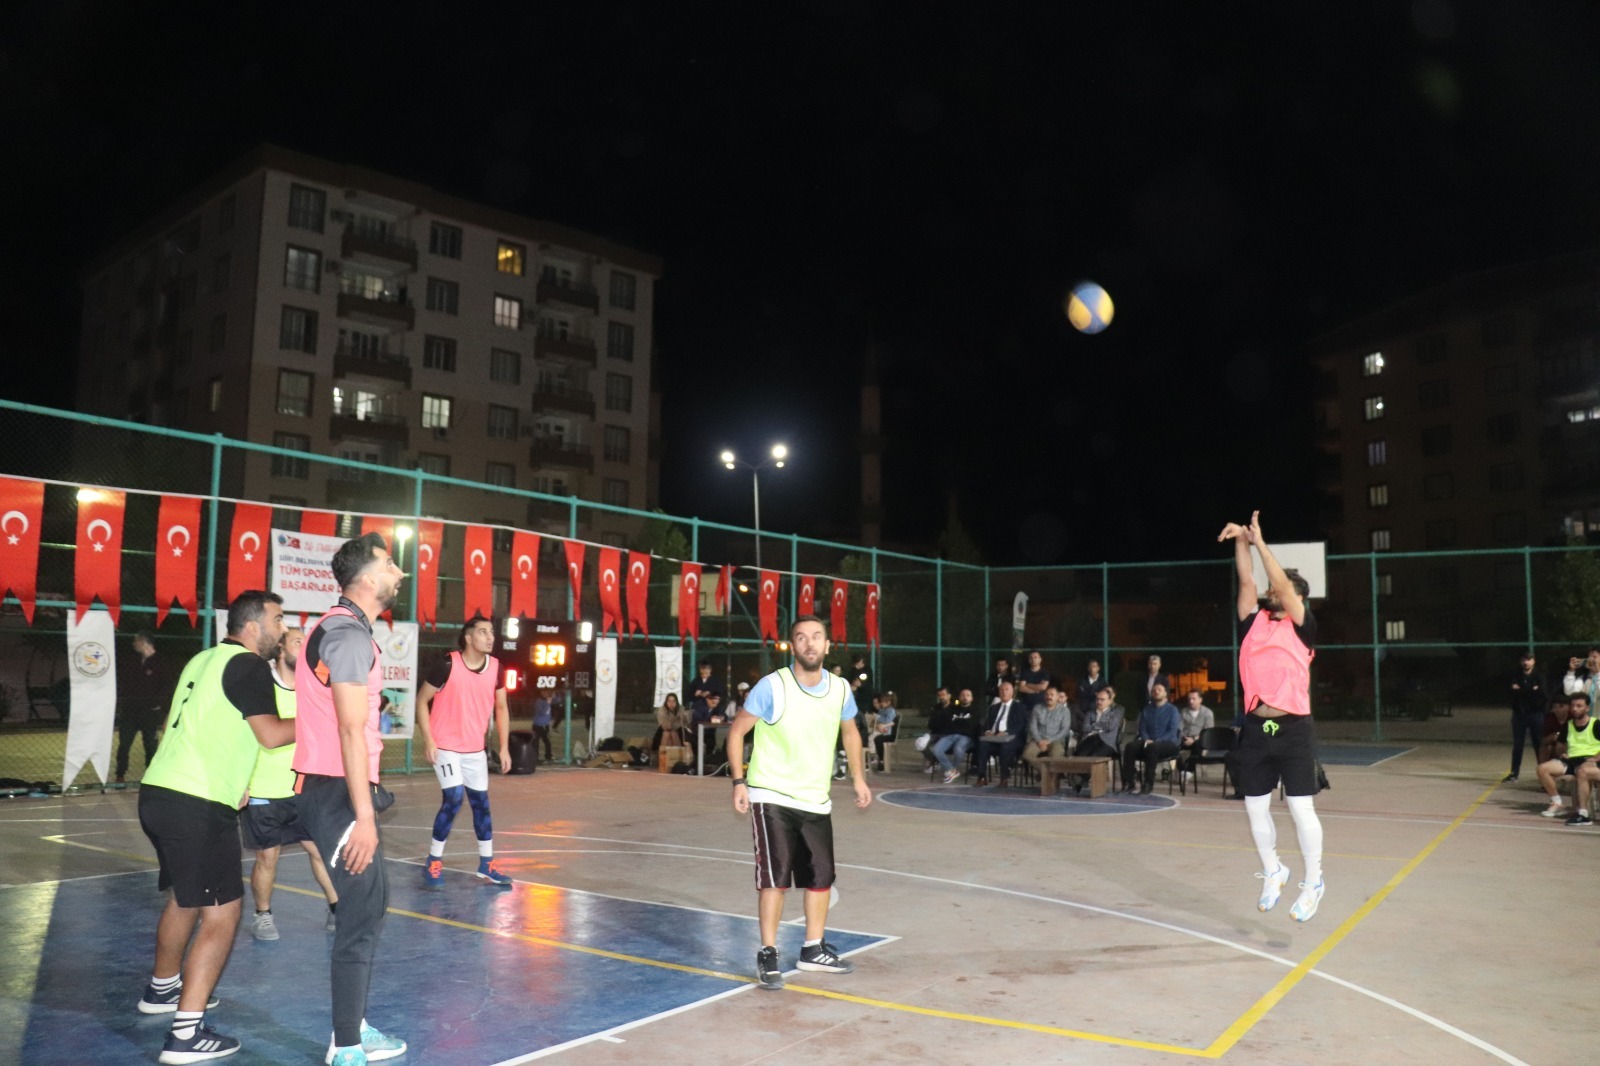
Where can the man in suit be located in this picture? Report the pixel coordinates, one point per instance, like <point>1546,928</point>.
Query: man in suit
<point>1088,687</point>
<point>1005,733</point>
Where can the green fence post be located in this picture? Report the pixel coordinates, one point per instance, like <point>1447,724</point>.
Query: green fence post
<point>988,649</point>
<point>1377,669</point>
<point>794,575</point>
<point>694,556</point>
<point>874,647</point>
<point>1233,592</point>
<point>1527,589</point>
<point>572,534</point>
<point>1105,619</point>
<point>210,611</point>
<point>416,538</point>
<point>938,623</point>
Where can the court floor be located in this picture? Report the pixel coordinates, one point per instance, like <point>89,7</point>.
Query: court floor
<point>1113,932</point>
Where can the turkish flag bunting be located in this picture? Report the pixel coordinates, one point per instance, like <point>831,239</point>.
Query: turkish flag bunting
<point>177,552</point>
<point>725,590</point>
<point>477,574</point>
<point>689,601</point>
<point>574,551</point>
<point>247,554</point>
<point>383,525</point>
<point>610,589</point>
<point>429,537</point>
<point>319,523</point>
<point>808,597</point>
<point>872,615</point>
<point>841,600</point>
<point>769,604</point>
<point>98,570</point>
<point>23,505</point>
<point>638,593</point>
<point>524,574</point>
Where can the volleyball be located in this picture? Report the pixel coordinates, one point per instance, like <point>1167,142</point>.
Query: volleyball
<point>1089,308</point>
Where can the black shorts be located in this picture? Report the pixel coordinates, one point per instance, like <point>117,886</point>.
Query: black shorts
<point>1573,765</point>
<point>197,841</point>
<point>793,848</point>
<point>1273,749</point>
<point>271,824</point>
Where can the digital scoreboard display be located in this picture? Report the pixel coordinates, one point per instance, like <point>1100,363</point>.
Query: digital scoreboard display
<point>546,657</point>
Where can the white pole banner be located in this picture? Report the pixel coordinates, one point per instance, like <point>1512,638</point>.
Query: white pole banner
<point>1019,620</point>
<point>301,571</point>
<point>92,666</point>
<point>605,687</point>
<point>669,674</point>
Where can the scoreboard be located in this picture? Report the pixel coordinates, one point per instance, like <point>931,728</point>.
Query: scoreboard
<point>543,658</point>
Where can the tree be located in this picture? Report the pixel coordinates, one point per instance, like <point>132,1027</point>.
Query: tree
<point>1571,601</point>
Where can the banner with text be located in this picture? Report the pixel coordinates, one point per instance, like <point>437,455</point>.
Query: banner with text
<point>605,688</point>
<point>92,666</point>
<point>301,571</point>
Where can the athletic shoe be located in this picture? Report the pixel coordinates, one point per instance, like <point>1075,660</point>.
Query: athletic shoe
<point>1508,777</point>
<point>375,1047</point>
<point>950,776</point>
<point>433,874</point>
<point>1580,819</point>
<point>264,928</point>
<point>1555,810</point>
<point>206,1043</point>
<point>154,1002</point>
<point>489,870</point>
<point>332,924</point>
<point>1306,906</point>
<point>768,975</point>
<point>823,958</point>
<point>1273,888</point>
<point>350,1056</point>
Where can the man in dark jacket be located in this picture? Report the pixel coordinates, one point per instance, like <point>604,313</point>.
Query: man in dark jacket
<point>146,691</point>
<point>1528,704</point>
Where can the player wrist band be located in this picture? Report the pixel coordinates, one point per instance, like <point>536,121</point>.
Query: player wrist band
<point>738,781</point>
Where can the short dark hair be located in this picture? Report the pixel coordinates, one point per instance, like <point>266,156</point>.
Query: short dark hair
<point>1302,587</point>
<point>146,636</point>
<point>354,556</point>
<point>249,606</point>
<point>1584,696</point>
<point>466,629</point>
<point>1109,691</point>
<point>802,619</point>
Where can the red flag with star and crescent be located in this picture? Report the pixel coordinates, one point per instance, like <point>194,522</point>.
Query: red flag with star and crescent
<point>638,593</point>
<point>841,600</point>
<point>97,571</point>
<point>247,548</point>
<point>22,504</point>
<point>524,574</point>
<point>177,535</point>
<point>689,601</point>
<point>477,573</point>
<point>808,597</point>
<point>574,550</point>
<point>430,535</point>
<point>319,523</point>
<point>872,616</point>
<point>769,604</point>
<point>610,587</point>
<point>725,590</point>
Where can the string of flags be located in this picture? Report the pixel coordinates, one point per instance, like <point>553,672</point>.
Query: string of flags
<point>97,566</point>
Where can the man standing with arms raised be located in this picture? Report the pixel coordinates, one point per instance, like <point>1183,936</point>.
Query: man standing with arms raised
<point>339,685</point>
<point>796,714</point>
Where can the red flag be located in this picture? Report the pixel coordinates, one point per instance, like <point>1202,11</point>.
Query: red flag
<point>808,596</point>
<point>574,551</point>
<point>98,569</point>
<point>247,558</point>
<point>725,590</point>
<point>319,523</point>
<point>429,536</point>
<point>477,573</point>
<point>638,593</point>
<point>382,525</point>
<point>872,616</point>
<point>177,552</point>
<point>610,587</point>
<point>769,604</point>
<point>689,601</point>
<point>23,505</point>
<point>524,574</point>
<point>841,598</point>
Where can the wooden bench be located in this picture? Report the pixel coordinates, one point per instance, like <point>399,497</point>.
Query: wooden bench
<point>1098,767</point>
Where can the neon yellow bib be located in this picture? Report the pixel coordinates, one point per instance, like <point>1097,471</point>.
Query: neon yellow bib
<point>793,755</point>
<point>209,750</point>
<point>274,777</point>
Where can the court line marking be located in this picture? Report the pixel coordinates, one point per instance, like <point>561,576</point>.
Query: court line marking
<point>1170,805</point>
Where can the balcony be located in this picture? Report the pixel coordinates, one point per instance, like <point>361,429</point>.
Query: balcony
<point>575,349</point>
<point>553,451</point>
<point>369,425</point>
<point>555,396</point>
<point>367,495</point>
<point>376,249</point>
<point>387,366</point>
<point>388,311</point>
<point>572,294</point>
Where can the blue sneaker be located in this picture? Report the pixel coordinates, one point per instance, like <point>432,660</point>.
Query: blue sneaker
<point>205,1043</point>
<point>153,1002</point>
<point>433,874</point>
<point>1306,906</point>
<point>489,870</point>
<point>375,1047</point>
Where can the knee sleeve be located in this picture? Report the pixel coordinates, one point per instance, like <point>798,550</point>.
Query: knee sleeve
<point>1308,829</point>
<point>482,826</point>
<point>1259,808</point>
<point>447,811</point>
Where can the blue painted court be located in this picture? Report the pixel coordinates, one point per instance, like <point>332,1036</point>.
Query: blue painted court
<point>466,975</point>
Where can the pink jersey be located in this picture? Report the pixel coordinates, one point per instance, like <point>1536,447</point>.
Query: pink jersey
<point>459,715</point>
<point>316,725</point>
<point>1275,666</point>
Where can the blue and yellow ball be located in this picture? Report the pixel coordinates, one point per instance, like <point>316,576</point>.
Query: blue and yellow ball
<point>1089,308</point>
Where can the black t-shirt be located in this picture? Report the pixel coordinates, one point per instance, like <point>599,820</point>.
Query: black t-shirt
<point>1306,631</point>
<point>439,673</point>
<point>1033,677</point>
<point>247,684</point>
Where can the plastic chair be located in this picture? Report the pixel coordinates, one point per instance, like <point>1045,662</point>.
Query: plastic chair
<point>1214,746</point>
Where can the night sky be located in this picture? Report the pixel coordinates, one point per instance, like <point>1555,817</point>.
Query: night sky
<point>926,180</point>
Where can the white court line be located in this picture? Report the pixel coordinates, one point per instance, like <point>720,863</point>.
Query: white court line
<point>1172,805</point>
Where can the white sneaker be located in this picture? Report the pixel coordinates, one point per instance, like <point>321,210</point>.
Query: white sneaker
<point>1555,810</point>
<point>265,928</point>
<point>1306,906</point>
<point>1273,888</point>
<point>950,775</point>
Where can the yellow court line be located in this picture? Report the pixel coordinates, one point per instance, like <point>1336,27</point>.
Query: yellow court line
<point>146,859</point>
<point>1235,1032</point>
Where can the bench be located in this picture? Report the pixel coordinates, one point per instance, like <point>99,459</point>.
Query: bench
<point>1098,767</point>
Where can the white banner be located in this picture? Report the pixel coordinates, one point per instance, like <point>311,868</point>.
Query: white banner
<point>301,571</point>
<point>92,668</point>
<point>605,687</point>
<point>669,674</point>
<point>1309,559</point>
<point>1019,620</point>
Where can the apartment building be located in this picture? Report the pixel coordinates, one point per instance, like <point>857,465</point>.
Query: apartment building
<point>330,309</point>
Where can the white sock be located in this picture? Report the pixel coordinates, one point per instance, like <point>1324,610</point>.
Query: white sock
<point>1308,827</point>
<point>435,849</point>
<point>185,1022</point>
<point>165,984</point>
<point>486,848</point>
<point>1259,808</point>
<point>812,943</point>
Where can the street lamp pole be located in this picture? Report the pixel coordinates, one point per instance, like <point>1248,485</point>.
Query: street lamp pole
<point>777,456</point>
<point>755,495</point>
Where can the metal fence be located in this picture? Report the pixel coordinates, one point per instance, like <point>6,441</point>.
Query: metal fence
<point>1401,633</point>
